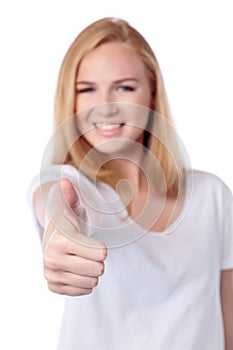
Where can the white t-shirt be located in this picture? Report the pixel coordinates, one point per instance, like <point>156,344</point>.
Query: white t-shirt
<point>160,291</point>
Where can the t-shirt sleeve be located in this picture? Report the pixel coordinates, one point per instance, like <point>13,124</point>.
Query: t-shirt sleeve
<point>227,238</point>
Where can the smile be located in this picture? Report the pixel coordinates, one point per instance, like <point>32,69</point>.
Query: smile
<point>108,126</point>
<point>109,129</point>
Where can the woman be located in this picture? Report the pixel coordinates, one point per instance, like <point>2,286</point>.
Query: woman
<point>120,201</point>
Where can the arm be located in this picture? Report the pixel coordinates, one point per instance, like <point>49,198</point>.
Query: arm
<point>227,306</point>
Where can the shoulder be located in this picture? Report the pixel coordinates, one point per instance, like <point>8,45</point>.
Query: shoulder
<point>55,172</point>
<point>204,178</point>
<point>210,186</point>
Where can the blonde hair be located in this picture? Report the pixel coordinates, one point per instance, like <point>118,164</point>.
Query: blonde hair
<point>100,32</point>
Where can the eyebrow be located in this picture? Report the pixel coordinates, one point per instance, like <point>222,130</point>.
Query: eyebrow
<point>119,81</point>
<point>84,82</point>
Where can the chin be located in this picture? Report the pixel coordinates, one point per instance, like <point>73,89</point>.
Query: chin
<point>118,147</point>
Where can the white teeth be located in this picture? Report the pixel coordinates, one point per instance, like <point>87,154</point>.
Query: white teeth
<point>111,126</point>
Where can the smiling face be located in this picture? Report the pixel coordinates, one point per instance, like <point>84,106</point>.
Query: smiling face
<point>111,86</point>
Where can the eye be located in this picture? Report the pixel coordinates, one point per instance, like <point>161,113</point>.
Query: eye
<point>126,88</point>
<point>85,90</point>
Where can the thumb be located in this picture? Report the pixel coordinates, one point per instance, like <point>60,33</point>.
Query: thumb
<point>71,199</point>
<point>69,193</point>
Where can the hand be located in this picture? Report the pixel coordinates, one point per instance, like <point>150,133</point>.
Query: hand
<point>71,267</point>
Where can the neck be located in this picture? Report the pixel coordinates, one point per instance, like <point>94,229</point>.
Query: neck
<point>129,165</point>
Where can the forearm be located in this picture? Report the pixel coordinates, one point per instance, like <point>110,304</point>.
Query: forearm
<point>227,307</point>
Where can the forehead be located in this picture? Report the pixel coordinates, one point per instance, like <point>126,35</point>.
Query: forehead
<point>109,59</point>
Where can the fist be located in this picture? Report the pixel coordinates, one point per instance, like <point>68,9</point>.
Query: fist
<point>71,267</point>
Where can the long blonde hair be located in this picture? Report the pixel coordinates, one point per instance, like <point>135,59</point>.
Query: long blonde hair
<point>104,31</point>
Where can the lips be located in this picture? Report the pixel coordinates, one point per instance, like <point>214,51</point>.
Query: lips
<point>108,126</point>
<point>108,129</point>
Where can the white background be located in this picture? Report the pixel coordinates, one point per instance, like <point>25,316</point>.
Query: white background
<point>193,43</point>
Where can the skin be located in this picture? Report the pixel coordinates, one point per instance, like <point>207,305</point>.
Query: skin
<point>227,306</point>
<point>113,97</point>
<point>73,268</point>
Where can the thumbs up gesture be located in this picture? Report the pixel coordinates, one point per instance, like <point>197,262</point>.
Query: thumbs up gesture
<point>71,267</point>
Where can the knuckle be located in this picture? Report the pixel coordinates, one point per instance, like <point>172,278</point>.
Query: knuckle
<point>98,269</point>
<point>103,254</point>
<point>93,282</point>
<point>86,291</point>
<point>59,241</point>
<point>51,276</point>
<point>51,263</point>
<point>47,274</point>
<point>55,288</point>
<point>101,269</point>
<point>64,289</point>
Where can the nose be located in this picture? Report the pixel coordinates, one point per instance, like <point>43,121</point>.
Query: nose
<point>108,109</point>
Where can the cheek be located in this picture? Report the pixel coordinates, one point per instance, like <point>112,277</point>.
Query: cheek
<point>78,105</point>
<point>82,120</point>
<point>82,103</point>
<point>90,138</point>
<point>137,116</point>
<point>144,95</point>
<point>146,99</point>
<point>134,134</point>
